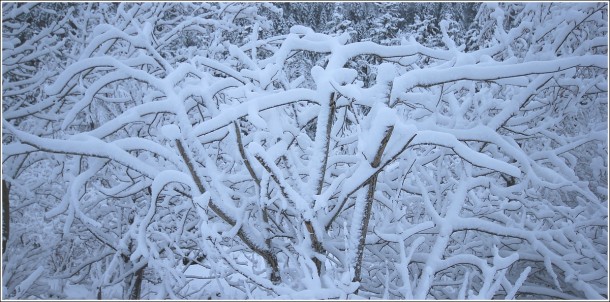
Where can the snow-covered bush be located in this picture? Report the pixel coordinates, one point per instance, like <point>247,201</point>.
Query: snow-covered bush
<point>182,151</point>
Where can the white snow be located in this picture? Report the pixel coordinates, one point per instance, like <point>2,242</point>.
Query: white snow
<point>171,132</point>
<point>120,150</point>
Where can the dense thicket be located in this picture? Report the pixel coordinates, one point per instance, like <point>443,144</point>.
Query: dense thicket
<point>304,150</point>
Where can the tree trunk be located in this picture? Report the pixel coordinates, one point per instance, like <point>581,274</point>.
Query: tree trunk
<point>137,286</point>
<point>5,215</point>
<point>370,196</point>
<point>315,243</point>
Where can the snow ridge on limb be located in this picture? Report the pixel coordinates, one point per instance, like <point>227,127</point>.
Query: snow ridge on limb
<point>436,76</point>
<point>87,146</point>
<point>478,159</point>
<point>262,103</point>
